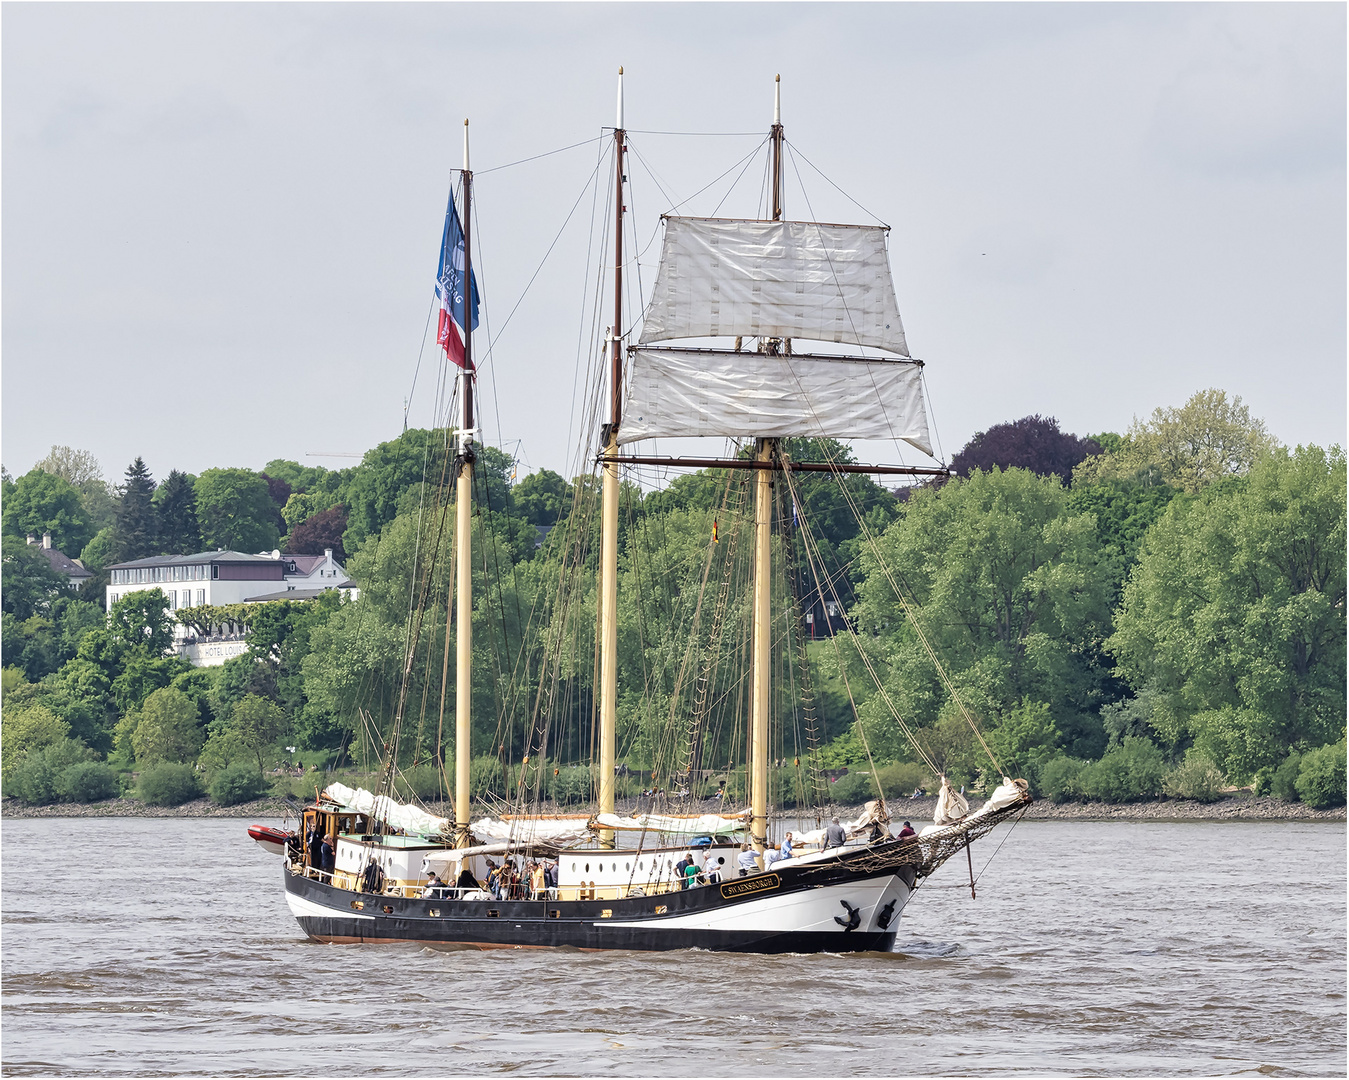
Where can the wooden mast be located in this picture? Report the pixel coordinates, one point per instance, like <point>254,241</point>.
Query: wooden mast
<point>463,670</point>
<point>608,688</point>
<point>766,452</point>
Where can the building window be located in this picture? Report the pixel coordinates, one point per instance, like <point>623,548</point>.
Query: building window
<point>215,572</point>
<point>201,597</point>
<point>172,594</point>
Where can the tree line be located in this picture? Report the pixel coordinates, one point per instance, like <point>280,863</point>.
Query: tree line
<point>1127,615</point>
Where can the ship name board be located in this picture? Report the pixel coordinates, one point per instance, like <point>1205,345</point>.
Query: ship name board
<point>748,886</point>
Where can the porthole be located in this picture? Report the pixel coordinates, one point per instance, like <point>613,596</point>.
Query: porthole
<point>573,866</point>
<point>358,905</point>
<point>493,914</point>
<point>627,866</point>
<point>606,913</point>
<point>387,909</point>
<point>587,868</point>
<point>434,912</point>
<point>661,909</point>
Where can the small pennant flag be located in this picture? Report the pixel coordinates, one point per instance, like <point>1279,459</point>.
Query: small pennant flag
<point>714,532</point>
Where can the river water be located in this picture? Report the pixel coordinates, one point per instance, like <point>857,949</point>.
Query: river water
<point>164,946</point>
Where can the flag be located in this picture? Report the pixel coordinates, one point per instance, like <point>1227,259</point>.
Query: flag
<point>714,532</point>
<point>450,289</point>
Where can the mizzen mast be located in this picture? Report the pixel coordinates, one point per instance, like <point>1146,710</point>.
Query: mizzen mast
<point>463,563</point>
<point>609,519</point>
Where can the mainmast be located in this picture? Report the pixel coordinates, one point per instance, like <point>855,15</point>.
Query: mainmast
<point>609,522</point>
<point>463,694</point>
<point>766,452</point>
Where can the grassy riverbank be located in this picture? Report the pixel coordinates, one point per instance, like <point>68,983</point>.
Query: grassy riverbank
<point>1238,807</point>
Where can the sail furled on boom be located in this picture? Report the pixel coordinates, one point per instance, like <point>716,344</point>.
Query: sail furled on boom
<point>723,277</point>
<point>676,392</point>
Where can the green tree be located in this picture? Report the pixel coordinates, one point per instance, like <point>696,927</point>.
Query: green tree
<point>43,502</point>
<point>1008,586</point>
<point>135,529</point>
<point>100,551</point>
<point>167,728</point>
<point>1206,439</point>
<point>30,583</point>
<point>258,723</point>
<point>26,729</point>
<point>176,507</point>
<point>542,498</point>
<point>1234,617</point>
<point>81,470</point>
<point>142,618</point>
<point>235,511</point>
<point>385,473</point>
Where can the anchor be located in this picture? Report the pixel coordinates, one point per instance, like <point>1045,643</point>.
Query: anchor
<point>887,913</point>
<point>854,919</point>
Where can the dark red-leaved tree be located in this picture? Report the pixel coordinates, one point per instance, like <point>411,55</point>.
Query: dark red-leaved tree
<point>1033,442</point>
<point>322,530</point>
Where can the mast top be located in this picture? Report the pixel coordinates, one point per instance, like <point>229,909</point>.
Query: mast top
<point>619,125</point>
<point>466,144</point>
<point>777,99</point>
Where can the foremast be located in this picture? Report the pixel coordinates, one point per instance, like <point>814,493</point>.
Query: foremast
<point>609,508</point>
<point>766,451</point>
<point>463,543</point>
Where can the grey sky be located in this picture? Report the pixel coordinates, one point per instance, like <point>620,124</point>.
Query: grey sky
<point>220,222</point>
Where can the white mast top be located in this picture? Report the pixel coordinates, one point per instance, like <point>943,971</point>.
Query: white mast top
<point>619,125</point>
<point>465,144</point>
<point>777,99</point>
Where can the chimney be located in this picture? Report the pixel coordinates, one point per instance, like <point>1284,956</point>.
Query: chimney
<point>47,540</point>
<point>328,554</point>
<point>30,539</point>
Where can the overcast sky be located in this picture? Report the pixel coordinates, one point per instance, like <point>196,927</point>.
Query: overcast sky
<point>220,222</point>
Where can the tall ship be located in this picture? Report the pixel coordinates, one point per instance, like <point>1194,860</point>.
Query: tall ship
<point>757,331</point>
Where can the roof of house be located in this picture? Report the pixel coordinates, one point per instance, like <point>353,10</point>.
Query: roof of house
<point>184,560</point>
<point>307,564</point>
<point>287,594</point>
<point>62,564</point>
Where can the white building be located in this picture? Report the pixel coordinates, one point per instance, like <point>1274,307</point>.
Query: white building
<point>225,577</point>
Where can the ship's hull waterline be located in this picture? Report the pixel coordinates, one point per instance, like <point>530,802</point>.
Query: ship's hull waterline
<point>766,913</point>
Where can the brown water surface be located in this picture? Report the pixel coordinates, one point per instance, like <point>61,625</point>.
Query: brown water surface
<point>164,946</point>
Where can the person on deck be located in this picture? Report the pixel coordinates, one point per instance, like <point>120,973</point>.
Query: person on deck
<point>834,836</point>
<point>907,831</point>
<point>466,880</point>
<point>784,851</point>
<point>372,878</point>
<point>748,861</point>
<point>550,877</point>
<point>314,842</point>
<point>433,887</point>
<point>328,855</point>
<point>494,879</point>
<point>538,883</point>
<point>680,867</point>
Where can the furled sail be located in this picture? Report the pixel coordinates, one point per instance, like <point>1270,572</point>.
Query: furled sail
<point>678,392</point>
<point>791,279</point>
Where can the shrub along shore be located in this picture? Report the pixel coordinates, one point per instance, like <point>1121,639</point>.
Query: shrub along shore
<point>1238,807</point>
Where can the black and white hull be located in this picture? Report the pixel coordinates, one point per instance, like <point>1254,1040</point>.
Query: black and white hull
<point>840,909</point>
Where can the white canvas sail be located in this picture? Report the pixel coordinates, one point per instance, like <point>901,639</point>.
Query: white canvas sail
<point>681,392</point>
<point>791,279</point>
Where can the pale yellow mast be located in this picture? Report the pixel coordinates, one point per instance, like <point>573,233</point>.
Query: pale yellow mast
<point>762,642</point>
<point>463,543</point>
<point>608,688</point>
